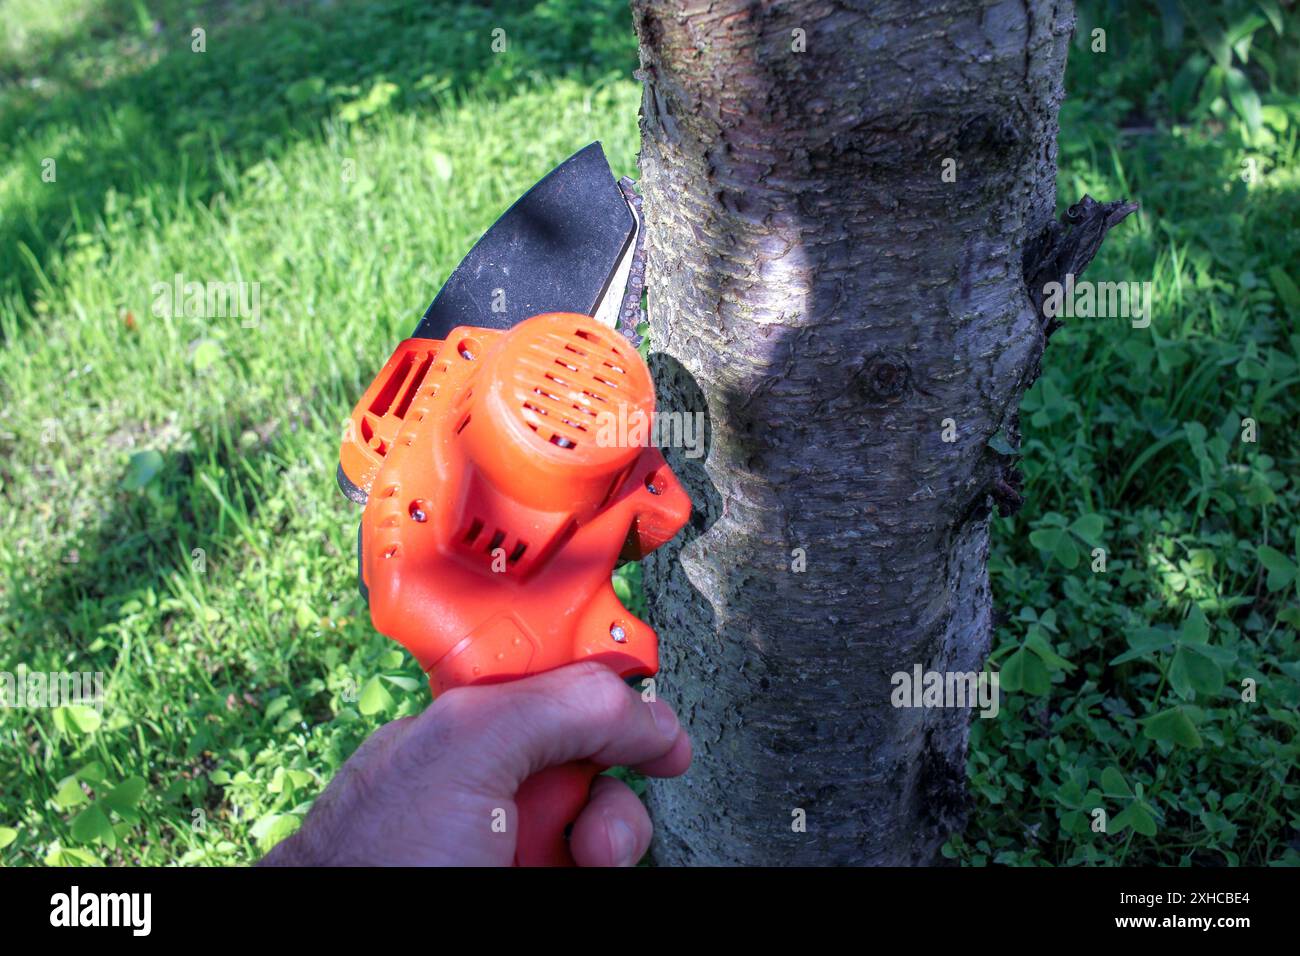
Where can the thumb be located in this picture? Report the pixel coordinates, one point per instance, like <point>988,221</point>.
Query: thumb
<point>498,735</point>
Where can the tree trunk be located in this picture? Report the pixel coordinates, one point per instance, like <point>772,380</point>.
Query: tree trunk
<point>830,299</point>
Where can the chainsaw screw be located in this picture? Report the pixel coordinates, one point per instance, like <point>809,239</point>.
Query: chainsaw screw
<point>417,512</point>
<point>618,634</point>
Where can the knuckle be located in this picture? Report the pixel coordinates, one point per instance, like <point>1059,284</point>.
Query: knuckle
<point>603,693</point>
<point>457,707</point>
<point>430,734</point>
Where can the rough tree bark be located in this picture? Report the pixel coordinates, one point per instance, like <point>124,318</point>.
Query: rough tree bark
<point>828,299</point>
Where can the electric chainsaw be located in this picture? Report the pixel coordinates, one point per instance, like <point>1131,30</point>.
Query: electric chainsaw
<point>498,498</point>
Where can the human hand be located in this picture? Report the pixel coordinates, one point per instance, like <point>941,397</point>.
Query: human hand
<point>425,791</point>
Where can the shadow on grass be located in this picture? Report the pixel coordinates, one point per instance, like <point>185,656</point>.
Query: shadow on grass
<point>266,78</point>
<point>143,536</point>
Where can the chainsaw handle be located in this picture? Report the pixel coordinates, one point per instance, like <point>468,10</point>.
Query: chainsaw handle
<point>548,802</point>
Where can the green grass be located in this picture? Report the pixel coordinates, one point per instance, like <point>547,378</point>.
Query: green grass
<point>1127,691</point>
<point>170,516</point>
<point>234,691</point>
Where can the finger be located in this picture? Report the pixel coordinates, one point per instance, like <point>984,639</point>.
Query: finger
<point>613,828</point>
<point>672,764</point>
<point>389,733</point>
<point>381,743</point>
<point>506,732</point>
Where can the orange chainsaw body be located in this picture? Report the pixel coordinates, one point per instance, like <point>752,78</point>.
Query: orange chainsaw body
<point>505,478</point>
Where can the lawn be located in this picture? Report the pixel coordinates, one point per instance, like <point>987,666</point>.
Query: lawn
<point>170,517</point>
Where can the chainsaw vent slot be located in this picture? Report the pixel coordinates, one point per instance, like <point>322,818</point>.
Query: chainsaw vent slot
<point>414,387</point>
<point>384,398</point>
<point>475,540</point>
<point>559,379</point>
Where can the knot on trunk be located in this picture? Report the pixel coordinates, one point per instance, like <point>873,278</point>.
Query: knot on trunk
<point>1066,247</point>
<point>884,378</point>
<point>1006,489</point>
